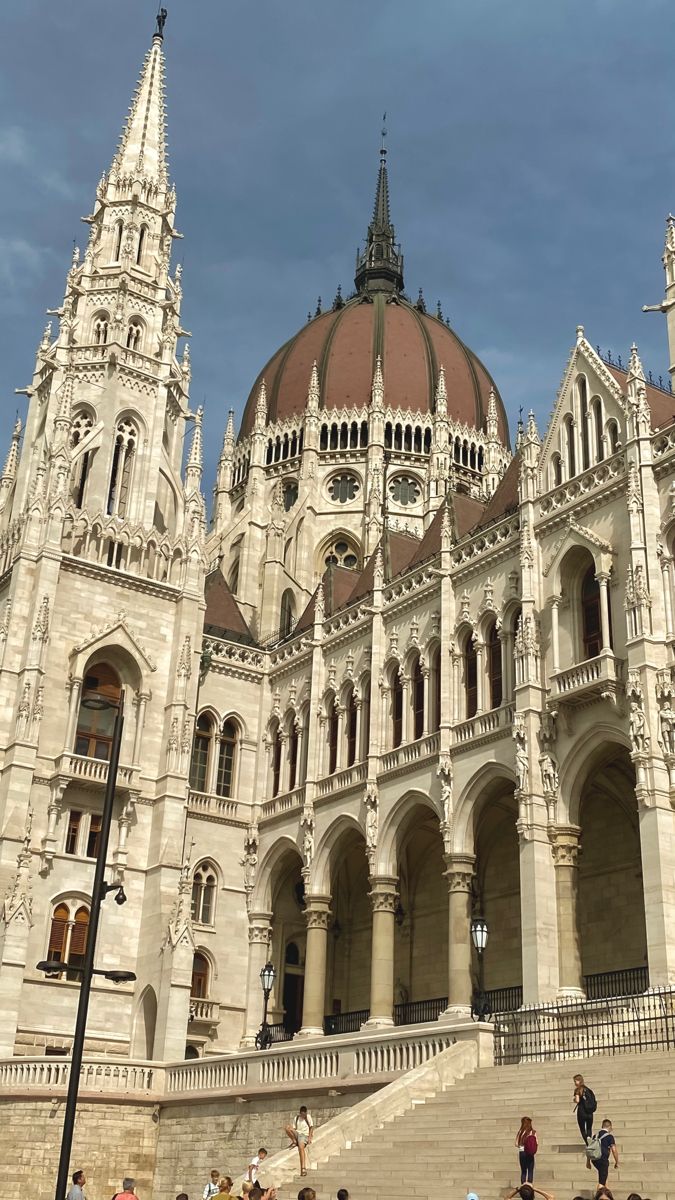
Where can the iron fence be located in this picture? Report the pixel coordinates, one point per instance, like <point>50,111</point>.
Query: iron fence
<point>505,999</point>
<point>616,983</point>
<point>346,1022</point>
<point>582,1028</point>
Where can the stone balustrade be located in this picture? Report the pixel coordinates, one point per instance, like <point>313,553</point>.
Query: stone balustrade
<point>283,803</point>
<point>341,780</point>
<point>206,1011</point>
<point>410,752</point>
<point>595,676</point>
<point>19,1076</point>
<point>483,724</point>
<point>215,806</point>
<point>94,770</point>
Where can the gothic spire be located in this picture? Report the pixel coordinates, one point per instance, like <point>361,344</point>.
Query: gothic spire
<point>193,466</point>
<point>12,460</point>
<point>141,153</point>
<point>379,268</point>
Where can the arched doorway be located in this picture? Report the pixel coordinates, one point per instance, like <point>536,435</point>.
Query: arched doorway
<point>289,939</point>
<point>497,895</point>
<point>610,907</point>
<point>350,934</point>
<point>421,937</point>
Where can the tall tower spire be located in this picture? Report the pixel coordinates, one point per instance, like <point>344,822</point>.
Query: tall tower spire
<point>141,152</point>
<point>379,268</point>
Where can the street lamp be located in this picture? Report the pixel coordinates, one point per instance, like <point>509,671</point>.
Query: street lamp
<point>263,1038</point>
<point>87,971</point>
<point>481,1009</point>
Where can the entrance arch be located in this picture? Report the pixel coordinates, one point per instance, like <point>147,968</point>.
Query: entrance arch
<point>350,931</point>
<point>289,939</point>
<point>497,892</point>
<point>421,938</point>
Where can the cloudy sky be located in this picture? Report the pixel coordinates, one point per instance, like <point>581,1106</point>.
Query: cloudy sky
<point>530,155</point>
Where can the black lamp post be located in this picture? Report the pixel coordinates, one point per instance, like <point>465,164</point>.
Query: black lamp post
<point>263,1038</point>
<point>87,971</point>
<point>481,1009</point>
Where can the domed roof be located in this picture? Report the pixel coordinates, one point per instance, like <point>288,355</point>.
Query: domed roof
<point>378,320</point>
<point>345,344</point>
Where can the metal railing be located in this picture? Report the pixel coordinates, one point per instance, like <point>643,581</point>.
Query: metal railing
<point>505,999</point>
<point>415,1012</point>
<point>581,1028</point>
<point>629,982</point>
<point>346,1022</point>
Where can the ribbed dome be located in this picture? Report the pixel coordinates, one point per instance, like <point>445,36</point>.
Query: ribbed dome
<point>345,344</point>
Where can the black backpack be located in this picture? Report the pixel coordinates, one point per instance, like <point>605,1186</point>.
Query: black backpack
<point>589,1101</point>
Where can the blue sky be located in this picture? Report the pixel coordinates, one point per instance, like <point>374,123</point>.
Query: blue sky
<point>530,155</point>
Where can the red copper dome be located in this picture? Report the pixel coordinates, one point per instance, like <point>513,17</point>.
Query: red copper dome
<point>345,345</point>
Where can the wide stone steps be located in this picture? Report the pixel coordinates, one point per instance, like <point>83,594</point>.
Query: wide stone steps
<point>461,1139</point>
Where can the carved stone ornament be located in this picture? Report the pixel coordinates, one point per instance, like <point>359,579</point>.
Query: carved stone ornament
<point>522,757</point>
<point>550,777</point>
<point>460,879</point>
<point>259,933</point>
<point>383,901</point>
<point>317,918</point>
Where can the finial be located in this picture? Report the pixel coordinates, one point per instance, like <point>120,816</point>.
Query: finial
<point>338,301</point>
<point>580,334</point>
<point>420,306</point>
<point>318,307</point>
<point>161,22</point>
<point>383,148</point>
<point>439,311</point>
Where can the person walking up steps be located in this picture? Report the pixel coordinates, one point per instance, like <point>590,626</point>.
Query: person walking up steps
<point>526,1141</point>
<point>586,1104</point>
<point>598,1150</point>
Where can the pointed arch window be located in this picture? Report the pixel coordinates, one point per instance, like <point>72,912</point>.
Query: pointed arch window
<point>396,709</point>
<point>100,329</point>
<point>365,719</point>
<point>494,665</point>
<point>292,756</point>
<point>276,761</point>
<point>201,753</point>
<point>470,677</point>
<point>134,335</point>
<point>583,416</point>
<point>332,737</point>
<point>590,615</point>
<point>227,753</point>
<point>418,700</point>
<point>68,933</point>
<point>83,423</point>
<point>122,468</point>
<point>204,883</point>
<point>96,720</point>
<point>117,240</point>
<point>199,988</point>
<point>351,719</point>
<point>142,236</point>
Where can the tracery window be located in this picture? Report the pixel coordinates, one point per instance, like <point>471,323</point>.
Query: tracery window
<point>470,677</point>
<point>134,335</point>
<point>83,423</point>
<point>343,488</point>
<point>418,700</point>
<point>590,615</point>
<point>68,937</point>
<point>201,753</point>
<point>204,884</point>
<point>396,710</point>
<point>405,490</point>
<point>290,493</point>
<point>142,235</point>
<point>494,665</point>
<point>199,988</point>
<point>351,721</point>
<point>226,759</point>
<point>100,329</point>
<point>342,553</point>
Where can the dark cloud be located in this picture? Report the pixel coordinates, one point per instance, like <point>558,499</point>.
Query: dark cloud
<point>528,154</point>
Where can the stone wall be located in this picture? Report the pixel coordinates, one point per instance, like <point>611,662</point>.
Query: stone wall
<point>195,1137</point>
<point>111,1140</point>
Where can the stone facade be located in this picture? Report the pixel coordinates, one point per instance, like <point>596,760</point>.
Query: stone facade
<point>405,678</point>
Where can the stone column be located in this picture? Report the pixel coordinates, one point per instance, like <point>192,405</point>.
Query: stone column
<point>565,857</point>
<point>426,715</point>
<point>603,580</point>
<point>383,897</point>
<point>143,698</point>
<point>666,575</point>
<point>340,757</point>
<point>538,909</point>
<point>317,915</point>
<point>406,710</point>
<point>481,681</point>
<point>73,710</point>
<point>459,874</point>
<point>555,633</point>
<point>657,848</point>
<point>283,763</point>
<point>505,638</point>
<point>259,933</point>
<point>456,706</point>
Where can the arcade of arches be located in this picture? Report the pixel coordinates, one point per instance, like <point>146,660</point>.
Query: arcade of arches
<point>397,948</point>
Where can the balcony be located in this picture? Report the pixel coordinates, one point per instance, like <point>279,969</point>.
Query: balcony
<point>93,772</point>
<point>340,780</point>
<point>204,1014</point>
<point>283,803</point>
<point>599,678</point>
<point>483,726</point>
<point>208,804</point>
<point>410,753</point>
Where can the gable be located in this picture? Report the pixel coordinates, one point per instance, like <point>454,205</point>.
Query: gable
<point>602,389</point>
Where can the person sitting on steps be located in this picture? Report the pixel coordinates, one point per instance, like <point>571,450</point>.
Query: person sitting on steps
<point>527,1192</point>
<point>300,1134</point>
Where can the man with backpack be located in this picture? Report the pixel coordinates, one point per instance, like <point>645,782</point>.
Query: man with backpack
<point>598,1150</point>
<point>586,1104</point>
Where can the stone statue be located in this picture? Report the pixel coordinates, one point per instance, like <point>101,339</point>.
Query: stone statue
<point>667,722</point>
<point>638,729</point>
<point>549,774</point>
<point>522,758</point>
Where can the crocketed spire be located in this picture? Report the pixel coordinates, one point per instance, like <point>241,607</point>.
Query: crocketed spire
<point>141,153</point>
<point>380,267</point>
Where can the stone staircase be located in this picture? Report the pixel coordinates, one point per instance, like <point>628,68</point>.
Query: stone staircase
<point>457,1133</point>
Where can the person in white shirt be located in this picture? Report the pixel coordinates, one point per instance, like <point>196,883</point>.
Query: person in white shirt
<point>301,1133</point>
<point>255,1164</point>
<point>213,1186</point>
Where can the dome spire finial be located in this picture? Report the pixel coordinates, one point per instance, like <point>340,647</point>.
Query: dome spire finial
<point>379,268</point>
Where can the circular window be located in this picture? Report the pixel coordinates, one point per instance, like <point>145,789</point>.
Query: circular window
<point>290,493</point>
<point>342,553</point>
<point>405,490</point>
<point>343,488</point>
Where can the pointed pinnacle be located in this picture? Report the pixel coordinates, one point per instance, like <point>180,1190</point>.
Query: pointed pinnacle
<point>313,392</point>
<point>377,391</point>
<point>195,457</point>
<point>635,368</point>
<point>441,394</point>
<point>12,460</point>
<point>142,145</point>
<point>261,406</point>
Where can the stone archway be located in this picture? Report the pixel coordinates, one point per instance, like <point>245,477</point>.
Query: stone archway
<point>497,894</point>
<point>288,941</point>
<point>610,903</point>
<point>350,930</point>
<point>421,937</point>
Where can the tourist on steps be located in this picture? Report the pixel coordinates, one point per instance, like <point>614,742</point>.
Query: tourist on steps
<point>527,1144</point>
<point>213,1185</point>
<point>527,1192</point>
<point>586,1104</point>
<point>254,1164</point>
<point>606,1144</point>
<point>301,1133</point>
